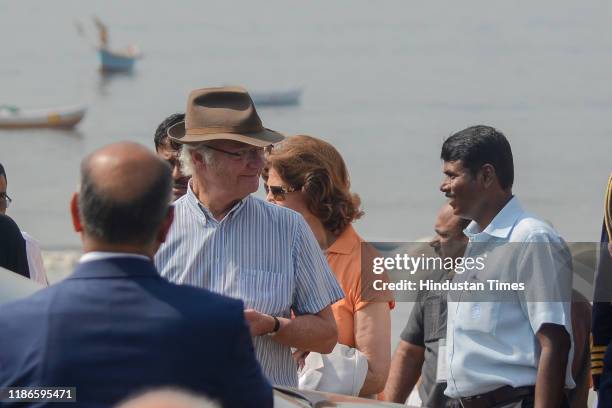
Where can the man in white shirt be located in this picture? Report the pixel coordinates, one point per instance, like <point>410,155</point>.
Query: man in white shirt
<point>35,261</point>
<point>513,348</point>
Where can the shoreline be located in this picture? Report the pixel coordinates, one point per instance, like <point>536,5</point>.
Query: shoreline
<point>59,263</point>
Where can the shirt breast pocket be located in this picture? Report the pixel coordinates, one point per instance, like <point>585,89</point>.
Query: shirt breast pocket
<point>265,291</point>
<point>478,316</point>
<point>434,318</point>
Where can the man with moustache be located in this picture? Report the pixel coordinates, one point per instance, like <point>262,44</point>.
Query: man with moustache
<point>170,151</point>
<point>232,243</point>
<point>424,336</point>
<point>515,352</point>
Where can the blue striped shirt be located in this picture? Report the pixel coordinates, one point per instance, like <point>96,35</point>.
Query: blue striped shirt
<point>261,253</point>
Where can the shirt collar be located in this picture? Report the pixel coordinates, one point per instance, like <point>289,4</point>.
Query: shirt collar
<point>114,265</point>
<point>501,225</point>
<point>345,243</point>
<point>193,200</point>
<point>100,255</point>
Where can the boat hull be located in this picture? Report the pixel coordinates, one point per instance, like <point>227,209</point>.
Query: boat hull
<point>63,118</point>
<point>115,62</point>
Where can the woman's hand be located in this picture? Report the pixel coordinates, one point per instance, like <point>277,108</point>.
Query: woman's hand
<point>299,356</point>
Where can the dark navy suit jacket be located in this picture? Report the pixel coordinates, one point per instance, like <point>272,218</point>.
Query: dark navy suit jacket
<point>115,328</point>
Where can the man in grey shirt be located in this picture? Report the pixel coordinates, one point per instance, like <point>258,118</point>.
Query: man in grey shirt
<point>417,353</point>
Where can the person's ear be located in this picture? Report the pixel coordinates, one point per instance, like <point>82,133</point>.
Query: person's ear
<point>488,175</point>
<point>74,212</point>
<point>166,224</point>
<point>197,159</point>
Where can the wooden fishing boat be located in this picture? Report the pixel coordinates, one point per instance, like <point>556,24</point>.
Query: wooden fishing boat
<point>117,61</point>
<point>12,117</point>
<point>277,98</point>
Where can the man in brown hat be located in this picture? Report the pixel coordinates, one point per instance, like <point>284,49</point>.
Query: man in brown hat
<point>230,242</point>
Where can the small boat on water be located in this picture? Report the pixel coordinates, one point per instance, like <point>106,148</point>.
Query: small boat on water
<point>112,60</point>
<point>117,61</point>
<point>277,98</point>
<point>12,117</point>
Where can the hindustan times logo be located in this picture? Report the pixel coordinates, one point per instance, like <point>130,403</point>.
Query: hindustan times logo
<point>413,264</point>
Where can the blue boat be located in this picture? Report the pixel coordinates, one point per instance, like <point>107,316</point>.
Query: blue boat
<point>111,61</point>
<point>277,98</point>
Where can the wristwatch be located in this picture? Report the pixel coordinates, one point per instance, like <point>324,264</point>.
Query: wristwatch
<point>276,326</point>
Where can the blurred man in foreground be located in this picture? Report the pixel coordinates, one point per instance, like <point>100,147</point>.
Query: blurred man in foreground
<point>168,398</point>
<point>115,327</point>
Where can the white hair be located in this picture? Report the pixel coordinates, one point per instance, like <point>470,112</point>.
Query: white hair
<point>187,164</point>
<point>173,397</point>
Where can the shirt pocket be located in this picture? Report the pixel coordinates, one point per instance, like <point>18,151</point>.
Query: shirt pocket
<point>265,291</point>
<point>434,318</point>
<point>478,317</point>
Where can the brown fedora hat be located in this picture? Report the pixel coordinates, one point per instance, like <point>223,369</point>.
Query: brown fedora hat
<point>222,113</point>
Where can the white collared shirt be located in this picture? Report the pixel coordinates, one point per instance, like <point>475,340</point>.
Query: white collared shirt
<point>35,260</point>
<point>493,343</point>
<point>100,255</point>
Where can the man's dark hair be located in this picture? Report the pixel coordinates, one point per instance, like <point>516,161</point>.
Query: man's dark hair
<point>161,133</point>
<point>135,220</point>
<point>2,172</point>
<point>480,145</point>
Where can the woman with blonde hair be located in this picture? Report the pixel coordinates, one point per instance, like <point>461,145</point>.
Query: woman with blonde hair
<point>308,175</point>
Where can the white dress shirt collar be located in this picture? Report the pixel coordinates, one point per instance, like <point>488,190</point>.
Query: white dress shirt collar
<point>193,199</point>
<point>501,225</point>
<point>100,255</point>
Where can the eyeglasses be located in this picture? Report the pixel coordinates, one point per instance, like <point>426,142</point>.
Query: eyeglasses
<point>244,154</point>
<point>5,200</point>
<point>279,193</point>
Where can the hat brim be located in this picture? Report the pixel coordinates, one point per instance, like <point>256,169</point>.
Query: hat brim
<point>264,138</point>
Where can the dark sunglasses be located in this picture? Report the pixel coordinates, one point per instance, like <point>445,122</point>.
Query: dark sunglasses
<point>279,193</point>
